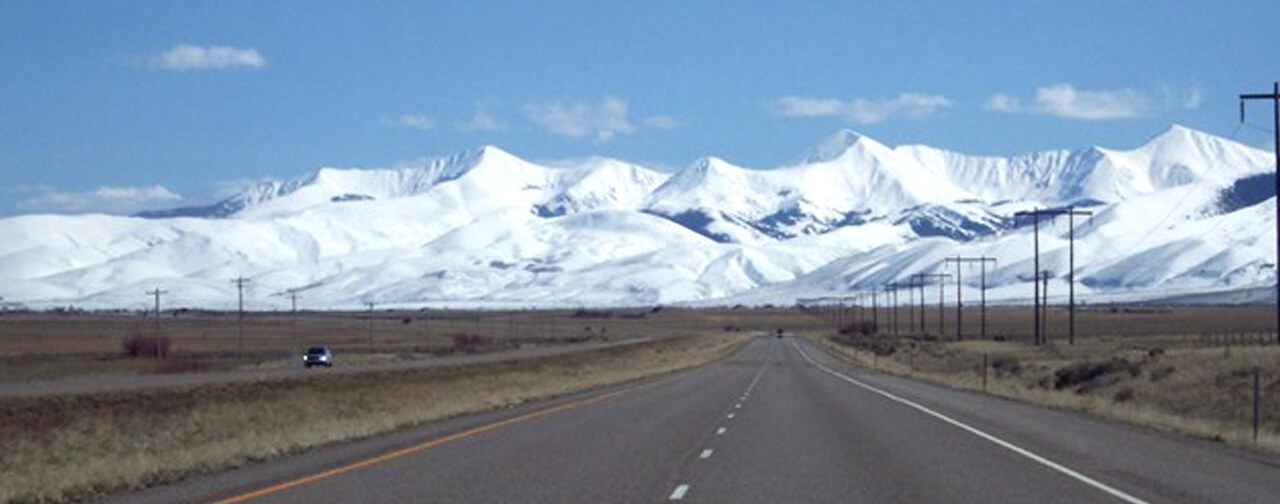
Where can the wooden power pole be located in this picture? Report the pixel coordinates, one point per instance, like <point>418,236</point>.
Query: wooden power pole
<point>1274,96</point>
<point>960,261</point>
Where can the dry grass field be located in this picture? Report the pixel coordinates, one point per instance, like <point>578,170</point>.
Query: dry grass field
<point>44,346</point>
<point>1165,367</point>
<point>76,447</point>
<point>1181,369</point>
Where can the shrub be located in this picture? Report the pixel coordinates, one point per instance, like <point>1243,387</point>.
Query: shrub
<point>864,328</point>
<point>469,343</point>
<point>1090,375</point>
<point>138,345</point>
<point>1161,373</point>
<point>1006,366</point>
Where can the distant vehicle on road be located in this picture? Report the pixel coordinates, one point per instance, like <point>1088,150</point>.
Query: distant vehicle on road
<point>318,356</point>
<point>779,332</point>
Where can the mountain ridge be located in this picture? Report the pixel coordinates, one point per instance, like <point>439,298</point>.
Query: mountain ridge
<point>1184,211</point>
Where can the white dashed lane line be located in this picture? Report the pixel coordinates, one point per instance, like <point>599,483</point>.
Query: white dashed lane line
<point>705,453</point>
<point>720,431</point>
<point>679,492</point>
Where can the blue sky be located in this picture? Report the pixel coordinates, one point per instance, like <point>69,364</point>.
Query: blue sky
<point>117,106</point>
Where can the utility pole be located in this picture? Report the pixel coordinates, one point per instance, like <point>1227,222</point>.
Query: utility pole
<point>917,282</point>
<point>875,310</point>
<point>983,267</point>
<point>959,303</point>
<point>370,304</point>
<point>942,299</point>
<point>1044,276</point>
<point>911,305</point>
<point>942,280</point>
<point>240,281</point>
<point>1071,273</point>
<point>859,303</point>
<point>293,324</point>
<point>157,292</point>
<point>1275,130</point>
<point>1071,213</point>
<point>891,290</point>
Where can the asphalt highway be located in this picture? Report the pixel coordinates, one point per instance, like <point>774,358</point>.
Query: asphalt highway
<point>779,421</point>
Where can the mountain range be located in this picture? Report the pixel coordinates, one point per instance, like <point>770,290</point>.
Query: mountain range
<point>1186,213</point>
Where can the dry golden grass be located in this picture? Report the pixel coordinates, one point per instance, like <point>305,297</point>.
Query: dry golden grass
<point>37,346</point>
<point>1171,383</point>
<point>77,447</point>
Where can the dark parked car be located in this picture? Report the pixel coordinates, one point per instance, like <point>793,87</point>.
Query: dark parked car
<point>317,356</point>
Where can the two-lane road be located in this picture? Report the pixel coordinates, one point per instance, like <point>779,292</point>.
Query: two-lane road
<point>779,421</point>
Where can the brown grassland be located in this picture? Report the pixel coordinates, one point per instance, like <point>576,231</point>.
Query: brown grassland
<point>1180,369</point>
<point>47,346</point>
<point>65,448</point>
<point>1165,367</point>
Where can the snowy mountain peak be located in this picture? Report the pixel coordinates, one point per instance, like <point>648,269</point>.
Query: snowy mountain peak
<point>486,226</point>
<point>833,147</point>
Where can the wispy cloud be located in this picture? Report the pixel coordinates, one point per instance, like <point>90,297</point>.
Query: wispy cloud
<point>862,110</point>
<point>1189,99</point>
<point>665,122</point>
<point>411,121</point>
<point>107,199</point>
<point>194,57</point>
<point>603,120</point>
<point>481,120</point>
<point>1065,100</point>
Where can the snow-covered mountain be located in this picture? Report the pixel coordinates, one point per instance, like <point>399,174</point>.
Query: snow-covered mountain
<point>1185,213</point>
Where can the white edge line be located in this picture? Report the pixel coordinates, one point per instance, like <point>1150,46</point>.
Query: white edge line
<point>1114,492</point>
<point>679,492</point>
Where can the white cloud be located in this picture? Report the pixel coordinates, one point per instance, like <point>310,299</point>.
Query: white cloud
<point>603,120</point>
<point>106,199</point>
<point>1064,100</point>
<point>665,122</point>
<point>1003,103</point>
<point>1192,99</point>
<point>862,110</point>
<point>411,121</point>
<point>193,57</point>
<point>798,106</point>
<point>482,120</point>
<point>136,195</point>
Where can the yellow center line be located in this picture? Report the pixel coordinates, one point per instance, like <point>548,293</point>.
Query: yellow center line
<point>423,446</point>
